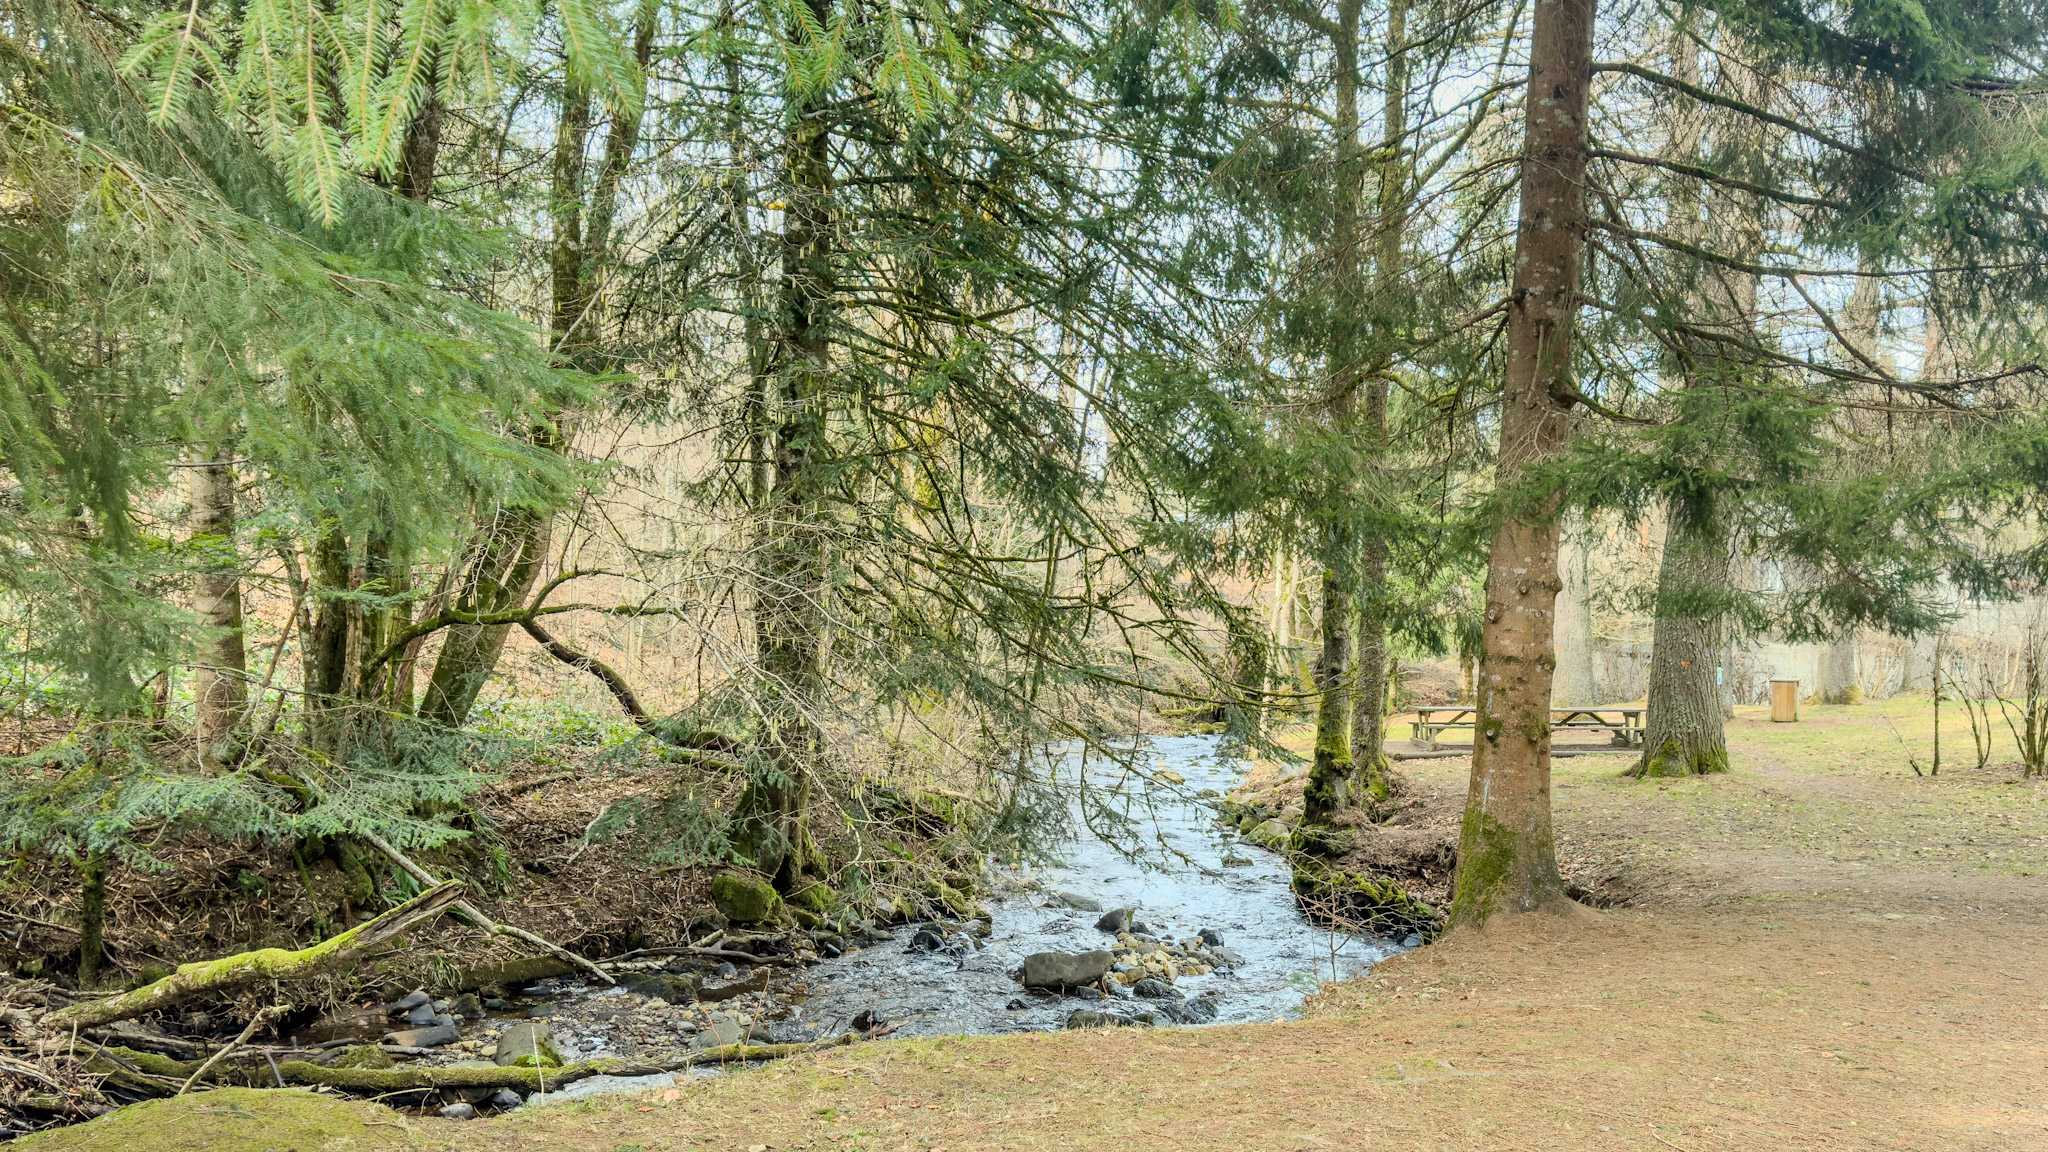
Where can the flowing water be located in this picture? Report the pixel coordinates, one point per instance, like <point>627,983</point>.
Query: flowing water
<point>1183,873</point>
<point>1160,851</point>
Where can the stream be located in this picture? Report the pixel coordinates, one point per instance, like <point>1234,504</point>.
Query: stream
<point>1184,873</point>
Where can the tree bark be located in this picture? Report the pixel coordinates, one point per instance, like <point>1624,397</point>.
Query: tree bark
<point>1575,686</point>
<point>92,917</point>
<point>789,568</point>
<point>1507,856</point>
<point>220,677</point>
<point>1684,733</point>
<point>332,645</point>
<point>1371,774</point>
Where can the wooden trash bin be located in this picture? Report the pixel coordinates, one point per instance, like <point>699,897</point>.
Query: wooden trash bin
<point>1784,701</point>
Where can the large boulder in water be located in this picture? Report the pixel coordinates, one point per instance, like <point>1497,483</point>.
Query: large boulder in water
<point>1062,970</point>
<point>1116,920</point>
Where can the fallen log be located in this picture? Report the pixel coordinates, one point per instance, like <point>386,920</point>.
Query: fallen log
<point>468,911</point>
<point>250,967</point>
<point>381,1080</point>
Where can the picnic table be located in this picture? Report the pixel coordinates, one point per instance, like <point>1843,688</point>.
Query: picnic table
<point>1622,722</point>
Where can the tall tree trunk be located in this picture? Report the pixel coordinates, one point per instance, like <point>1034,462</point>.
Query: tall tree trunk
<point>1574,641</point>
<point>1685,734</point>
<point>1507,856</point>
<point>1371,774</point>
<point>789,572</point>
<point>512,543</point>
<point>220,678</point>
<point>1689,651</point>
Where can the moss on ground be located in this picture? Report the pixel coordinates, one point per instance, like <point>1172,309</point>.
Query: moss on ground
<point>236,1120</point>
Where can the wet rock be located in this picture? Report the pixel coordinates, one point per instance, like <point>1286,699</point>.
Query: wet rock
<point>432,1037</point>
<point>1412,941</point>
<point>1212,937</point>
<point>1015,1005</point>
<point>1200,1010</point>
<point>663,986</point>
<point>528,1045</point>
<point>1153,988</point>
<point>1116,920</point>
<point>1064,969</point>
<point>496,1005</point>
<point>927,940</point>
<point>542,1010</point>
<point>723,1032</point>
<point>505,1099</point>
<point>409,1002</point>
<point>745,899</point>
<point>715,993</point>
<point>462,1111</point>
<point>466,1006</point>
<point>1077,902</point>
<point>422,1015</point>
<point>1226,956</point>
<point>1090,1018</point>
<point>867,1019</point>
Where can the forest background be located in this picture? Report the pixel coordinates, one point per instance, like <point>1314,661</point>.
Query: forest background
<point>803,401</point>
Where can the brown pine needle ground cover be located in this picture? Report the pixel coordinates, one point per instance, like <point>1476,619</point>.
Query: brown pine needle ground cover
<point>1825,952</point>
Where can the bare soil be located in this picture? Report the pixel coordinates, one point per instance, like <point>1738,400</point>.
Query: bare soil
<point>1819,950</point>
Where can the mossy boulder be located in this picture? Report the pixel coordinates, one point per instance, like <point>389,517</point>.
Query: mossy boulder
<point>745,899</point>
<point>816,898</point>
<point>363,1056</point>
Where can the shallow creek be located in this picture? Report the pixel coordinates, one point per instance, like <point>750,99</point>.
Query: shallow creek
<point>1185,873</point>
<point>1179,868</point>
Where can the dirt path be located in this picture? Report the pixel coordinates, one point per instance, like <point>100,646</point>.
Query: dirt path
<point>1825,952</point>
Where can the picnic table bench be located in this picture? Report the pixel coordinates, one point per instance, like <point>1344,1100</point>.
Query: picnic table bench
<point>1623,723</point>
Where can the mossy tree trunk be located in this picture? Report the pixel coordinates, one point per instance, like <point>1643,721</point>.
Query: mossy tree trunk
<point>1372,775</point>
<point>92,917</point>
<point>1507,856</point>
<point>1685,735</point>
<point>789,565</point>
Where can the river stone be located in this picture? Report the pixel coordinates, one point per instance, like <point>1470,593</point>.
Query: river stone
<point>408,1002</point>
<point>723,1032</point>
<point>1116,920</point>
<point>1153,988</point>
<point>461,1111</point>
<point>1212,937</point>
<point>1090,1018</point>
<point>1076,901</point>
<point>745,899</point>
<point>1200,1010</point>
<point>466,1005</point>
<point>1226,956</point>
<point>1271,834</point>
<point>432,1037</point>
<point>1064,969</point>
<point>528,1044</point>
<point>422,1015</point>
<point>664,986</point>
<point>505,1099</point>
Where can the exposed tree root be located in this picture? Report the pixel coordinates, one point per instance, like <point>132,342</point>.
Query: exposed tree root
<point>243,968</point>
